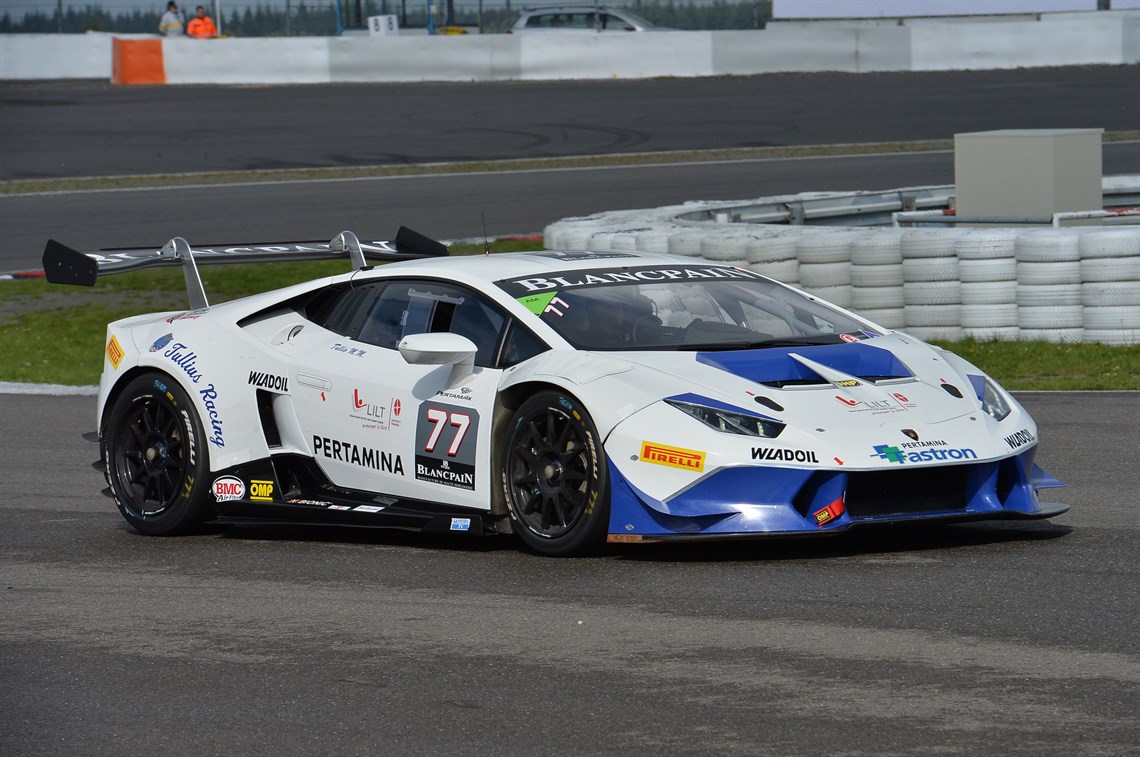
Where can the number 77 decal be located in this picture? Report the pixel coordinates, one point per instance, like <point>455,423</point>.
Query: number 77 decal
<point>441,419</point>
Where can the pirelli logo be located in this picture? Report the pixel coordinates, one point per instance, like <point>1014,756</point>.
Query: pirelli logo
<point>674,457</point>
<point>114,352</point>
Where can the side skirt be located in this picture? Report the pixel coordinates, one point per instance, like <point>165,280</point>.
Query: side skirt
<point>289,489</point>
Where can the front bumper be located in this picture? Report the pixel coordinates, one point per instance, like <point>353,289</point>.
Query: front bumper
<point>754,501</point>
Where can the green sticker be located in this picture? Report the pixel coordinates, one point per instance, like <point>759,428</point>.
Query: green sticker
<point>536,303</point>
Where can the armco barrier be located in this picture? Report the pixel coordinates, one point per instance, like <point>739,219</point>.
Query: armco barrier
<point>1054,284</point>
<point>1057,39</point>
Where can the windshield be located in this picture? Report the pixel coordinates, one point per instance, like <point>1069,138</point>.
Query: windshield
<point>683,308</point>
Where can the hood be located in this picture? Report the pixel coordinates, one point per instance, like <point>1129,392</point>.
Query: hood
<point>844,401</point>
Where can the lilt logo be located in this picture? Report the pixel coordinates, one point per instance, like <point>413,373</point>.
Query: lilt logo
<point>375,416</point>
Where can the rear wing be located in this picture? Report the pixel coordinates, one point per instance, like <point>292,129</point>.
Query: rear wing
<point>63,265</point>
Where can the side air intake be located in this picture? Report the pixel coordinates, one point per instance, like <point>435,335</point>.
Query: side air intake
<point>268,419</point>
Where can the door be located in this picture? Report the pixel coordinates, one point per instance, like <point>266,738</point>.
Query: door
<point>373,421</point>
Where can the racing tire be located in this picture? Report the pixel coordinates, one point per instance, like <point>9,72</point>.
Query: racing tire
<point>988,293</point>
<point>986,244</point>
<point>987,270</point>
<point>784,271</point>
<point>1047,246</point>
<point>771,250</point>
<point>1066,272</point>
<point>873,250</point>
<point>823,248</point>
<point>877,275</point>
<point>556,477</point>
<point>836,295</point>
<point>816,275</point>
<point>866,298</point>
<point>157,462</point>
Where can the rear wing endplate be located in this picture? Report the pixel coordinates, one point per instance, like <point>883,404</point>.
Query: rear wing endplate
<point>63,265</point>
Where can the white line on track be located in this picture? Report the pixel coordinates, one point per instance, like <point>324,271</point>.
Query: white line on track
<point>455,174</point>
<point>47,390</point>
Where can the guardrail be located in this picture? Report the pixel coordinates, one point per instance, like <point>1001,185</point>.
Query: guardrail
<point>1121,216</point>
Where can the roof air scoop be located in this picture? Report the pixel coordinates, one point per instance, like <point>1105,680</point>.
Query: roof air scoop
<point>838,378</point>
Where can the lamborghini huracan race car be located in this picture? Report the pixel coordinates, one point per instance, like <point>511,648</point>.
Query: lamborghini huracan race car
<point>571,398</point>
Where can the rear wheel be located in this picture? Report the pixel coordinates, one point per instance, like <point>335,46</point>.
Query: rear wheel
<point>156,463</point>
<point>556,477</point>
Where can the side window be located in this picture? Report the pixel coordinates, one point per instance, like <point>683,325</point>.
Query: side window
<point>342,310</point>
<point>520,344</point>
<point>415,306</point>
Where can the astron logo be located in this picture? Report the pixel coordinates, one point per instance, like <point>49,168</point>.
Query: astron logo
<point>893,454</point>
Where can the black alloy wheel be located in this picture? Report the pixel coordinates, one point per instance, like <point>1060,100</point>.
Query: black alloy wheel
<point>556,477</point>
<point>157,465</point>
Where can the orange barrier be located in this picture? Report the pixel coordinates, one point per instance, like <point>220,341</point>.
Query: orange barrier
<point>137,61</point>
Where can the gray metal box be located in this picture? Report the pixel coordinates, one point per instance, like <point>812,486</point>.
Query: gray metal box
<point>1027,172</point>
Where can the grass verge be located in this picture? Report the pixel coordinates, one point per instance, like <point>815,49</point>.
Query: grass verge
<point>54,334</point>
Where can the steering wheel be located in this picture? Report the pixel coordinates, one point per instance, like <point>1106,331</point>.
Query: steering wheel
<point>646,330</point>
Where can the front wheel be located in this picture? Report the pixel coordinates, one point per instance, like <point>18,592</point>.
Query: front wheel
<point>556,477</point>
<point>156,460</point>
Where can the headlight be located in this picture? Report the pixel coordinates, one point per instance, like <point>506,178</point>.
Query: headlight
<point>730,422</point>
<point>993,402</point>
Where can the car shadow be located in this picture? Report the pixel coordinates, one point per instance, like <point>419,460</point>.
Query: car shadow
<point>898,538</point>
<point>893,538</point>
<point>286,532</point>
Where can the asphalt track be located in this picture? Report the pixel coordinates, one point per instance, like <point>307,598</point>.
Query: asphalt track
<point>1004,638</point>
<point>85,129</point>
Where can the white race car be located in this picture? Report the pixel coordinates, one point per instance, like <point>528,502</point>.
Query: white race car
<point>571,398</point>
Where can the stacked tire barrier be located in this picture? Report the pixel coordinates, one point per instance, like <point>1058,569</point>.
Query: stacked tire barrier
<point>1110,286</point>
<point>1059,285</point>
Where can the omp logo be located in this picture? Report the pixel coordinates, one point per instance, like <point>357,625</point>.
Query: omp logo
<point>115,352</point>
<point>1020,438</point>
<point>831,512</point>
<point>227,488</point>
<point>261,491</point>
<point>674,457</point>
<point>847,382</point>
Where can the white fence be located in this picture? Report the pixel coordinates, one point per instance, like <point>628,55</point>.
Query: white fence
<point>1058,39</point>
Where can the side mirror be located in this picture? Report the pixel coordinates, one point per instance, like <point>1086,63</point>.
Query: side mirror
<point>440,349</point>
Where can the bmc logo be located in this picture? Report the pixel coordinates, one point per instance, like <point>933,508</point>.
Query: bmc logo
<point>227,488</point>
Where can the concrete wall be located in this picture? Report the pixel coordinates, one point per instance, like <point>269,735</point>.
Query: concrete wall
<point>1061,39</point>
<point>55,56</point>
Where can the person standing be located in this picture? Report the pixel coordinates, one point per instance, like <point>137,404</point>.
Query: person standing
<point>172,21</point>
<point>201,26</point>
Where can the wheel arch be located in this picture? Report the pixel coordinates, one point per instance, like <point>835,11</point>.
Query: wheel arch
<point>124,381</point>
<point>508,402</point>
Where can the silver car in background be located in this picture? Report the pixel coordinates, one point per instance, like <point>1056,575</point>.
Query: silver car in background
<point>579,19</point>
